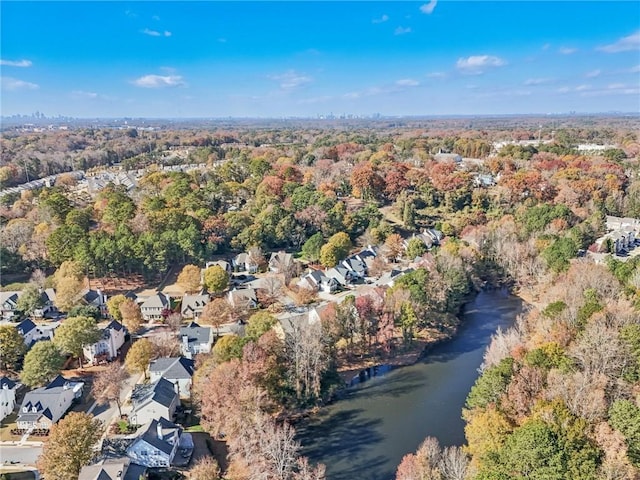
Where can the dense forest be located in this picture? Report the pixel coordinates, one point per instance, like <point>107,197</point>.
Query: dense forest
<point>559,394</point>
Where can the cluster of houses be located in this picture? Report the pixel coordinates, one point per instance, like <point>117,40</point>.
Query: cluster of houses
<point>621,237</point>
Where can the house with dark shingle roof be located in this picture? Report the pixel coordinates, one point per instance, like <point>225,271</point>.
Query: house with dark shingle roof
<point>154,400</point>
<point>43,407</point>
<point>8,304</point>
<point>108,347</point>
<point>178,370</point>
<point>118,468</point>
<point>195,339</point>
<point>7,396</point>
<point>161,444</point>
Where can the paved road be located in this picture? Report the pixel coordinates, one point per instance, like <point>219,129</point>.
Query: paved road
<point>24,454</point>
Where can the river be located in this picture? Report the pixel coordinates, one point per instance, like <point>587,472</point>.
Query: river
<point>365,434</point>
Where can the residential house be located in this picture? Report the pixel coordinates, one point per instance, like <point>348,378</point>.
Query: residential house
<point>620,223</point>
<point>244,263</point>
<point>356,266</point>
<point>162,444</point>
<point>119,468</point>
<point>447,157</point>
<point>389,278</point>
<point>153,306</point>
<point>244,298</point>
<point>281,262</point>
<point>341,275</point>
<point>44,406</point>
<point>195,339</point>
<point>108,347</point>
<point>33,333</point>
<point>95,298</point>
<point>178,370</point>
<point>316,281</point>
<point>153,400</point>
<point>9,304</point>
<point>226,266</point>
<point>367,256</point>
<point>7,396</point>
<point>289,322</point>
<point>48,298</point>
<point>193,305</point>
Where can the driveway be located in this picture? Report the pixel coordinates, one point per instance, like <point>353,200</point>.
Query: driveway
<point>23,455</point>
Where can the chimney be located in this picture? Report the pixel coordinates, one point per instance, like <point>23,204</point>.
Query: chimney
<point>159,430</point>
<point>176,387</point>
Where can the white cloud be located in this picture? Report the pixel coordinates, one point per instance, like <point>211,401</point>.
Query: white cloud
<point>567,50</point>
<point>16,63</point>
<point>83,94</point>
<point>593,73</point>
<point>407,82</point>
<point>635,69</point>
<point>625,44</point>
<point>428,8</point>
<point>382,19</point>
<point>477,64</point>
<point>582,88</point>
<point>159,81</point>
<point>402,31</point>
<point>537,81</point>
<point>291,79</point>
<point>436,75</point>
<point>13,84</point>
<point>155,33</point>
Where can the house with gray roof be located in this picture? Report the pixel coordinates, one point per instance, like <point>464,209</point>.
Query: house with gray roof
<point>281,262</point>
<point>43,407</point>
<point>244,298</point>
<point>109,345</point>
<point>244,263</point>
<point>118,468</point>
<point>316,280</point>
<point>153,400</point>
<point>153,306</point>
<point>178,370</point>
<point>195,339</point>
<point>193,305</point>
<point>9,304</point>
<point>161,444</point>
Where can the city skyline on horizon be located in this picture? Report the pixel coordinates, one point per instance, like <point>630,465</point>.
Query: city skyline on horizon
<point>305,59</point>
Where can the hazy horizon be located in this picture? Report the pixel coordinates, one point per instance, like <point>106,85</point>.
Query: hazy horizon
<point>272,60</point>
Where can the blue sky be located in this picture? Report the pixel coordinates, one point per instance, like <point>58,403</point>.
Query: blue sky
<point>302,58</point>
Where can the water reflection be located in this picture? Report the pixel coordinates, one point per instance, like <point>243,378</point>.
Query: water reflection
<point>366,434</point>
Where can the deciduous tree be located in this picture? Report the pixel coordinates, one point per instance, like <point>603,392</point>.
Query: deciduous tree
<point>30,299</point>
<point>41,364</point>
<point>131,315</point>
<point>113,306</point>
<point>189,278</point>
<point>12,346</point>
<point>107,384</point>
<point>216,279</point>
<point>75,333</point>
<point>70,446</point>
<point>139,356</point>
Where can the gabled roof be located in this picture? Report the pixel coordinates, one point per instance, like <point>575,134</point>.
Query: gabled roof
<point>25,326</point>
<point>244,295</point>
<point>157,300</point>
<point>195,333</point>
<point>46,400</point>
<point>173,368</point>
<point>92,296</point>
<point>107,469</point>
<point>161,391</point>
<point>195,303</point>
<point>6,382</point>
<point>167,430</point>
<point>282,257</point>
<point>114,325</point>
<point>9,297</point>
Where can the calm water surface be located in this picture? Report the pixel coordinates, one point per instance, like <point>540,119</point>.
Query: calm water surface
<point>366,434</point>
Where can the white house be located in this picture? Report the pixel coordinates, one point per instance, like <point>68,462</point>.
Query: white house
<point>244,298</point>
<point>243,263</point>
<point>43,407</point>
<point>153,306</point>
<point>154,400</point>
<point>108,347</point>
<point>159,444</point>
<point>316,281</point>
<point>9,304</point>
<point>33,333</point>
<point>195,339</point>
<point>95,298</point>
<point>7,397</point>
<point>281,262</point>
<point>178,370</point>
<point>193,305</point>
